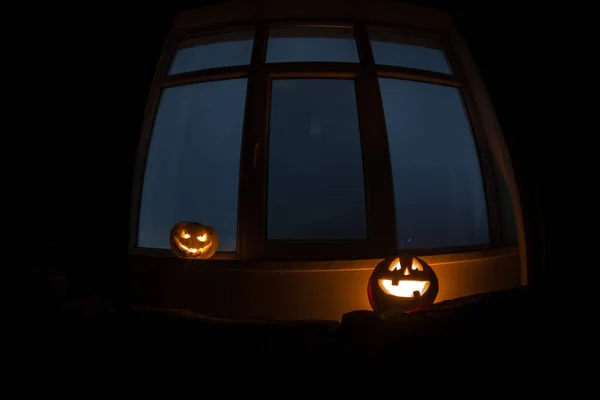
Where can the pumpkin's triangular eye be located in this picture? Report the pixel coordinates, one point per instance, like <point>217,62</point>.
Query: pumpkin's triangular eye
<point>184,235</point>
<point>416,265</point>
<point>202,238</point>
<point>395,265</point>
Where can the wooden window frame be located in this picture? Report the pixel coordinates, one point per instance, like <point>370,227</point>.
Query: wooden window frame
<point>380,205</point>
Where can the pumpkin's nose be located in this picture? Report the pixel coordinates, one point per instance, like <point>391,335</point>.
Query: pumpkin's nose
<point>406,272</point>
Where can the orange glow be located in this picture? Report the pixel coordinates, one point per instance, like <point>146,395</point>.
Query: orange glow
<point>396,266</point>
<point>403,288</point>
<point>193,250</point>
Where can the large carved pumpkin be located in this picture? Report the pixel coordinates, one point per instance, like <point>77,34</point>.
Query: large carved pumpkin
<point>402,283</point>
<point>193,240</point>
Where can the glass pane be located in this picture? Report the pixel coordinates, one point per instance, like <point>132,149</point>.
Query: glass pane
<point>193,162</point>
<point>391,48</point>
<point>223,50</point>
<point>311,44</point>
<point>316,188</point>
<point>439,194</point>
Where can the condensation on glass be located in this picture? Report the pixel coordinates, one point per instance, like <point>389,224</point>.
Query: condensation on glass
<point>438,186</point>
<point>315,172</point>
<point>214,51</point>
<point>399,50</point>
<point>193,162</point>
<point>311,44</point>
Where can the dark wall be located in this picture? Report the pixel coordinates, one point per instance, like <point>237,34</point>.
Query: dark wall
<point>97,65</point>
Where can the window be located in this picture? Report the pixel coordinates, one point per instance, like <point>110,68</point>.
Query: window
<point>222,50</point>
<point>315,182</point>
<point>438,188</point>
<point>398,50</point>
<point>311,44</point>
<point>317,142</point>
<point>193,162</point>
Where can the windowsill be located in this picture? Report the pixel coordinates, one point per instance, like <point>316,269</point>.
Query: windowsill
<point>300,290</point>
<point>228,261</point>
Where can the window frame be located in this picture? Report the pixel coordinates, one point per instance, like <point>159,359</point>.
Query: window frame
<point>378,180</point>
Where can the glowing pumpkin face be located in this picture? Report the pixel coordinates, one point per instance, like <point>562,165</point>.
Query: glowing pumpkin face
<point>192,240</point>
<point>400,284</point>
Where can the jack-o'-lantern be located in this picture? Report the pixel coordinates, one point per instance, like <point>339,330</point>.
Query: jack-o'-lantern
<point>193,240</point>
<point>402,283</point>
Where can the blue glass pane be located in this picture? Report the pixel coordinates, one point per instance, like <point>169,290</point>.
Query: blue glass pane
<point>311,44</point>
<point>438,186</point>
<point>315,180</point>
<point>193,162</point>
<point>223,50</point>
<point>388,50</point>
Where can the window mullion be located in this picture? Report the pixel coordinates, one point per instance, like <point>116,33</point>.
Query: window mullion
<point>376,155</point>
<point>252,185</point>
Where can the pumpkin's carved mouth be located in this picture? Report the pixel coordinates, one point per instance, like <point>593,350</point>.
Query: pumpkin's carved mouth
<point>193,250</point>
<point>403,288</point>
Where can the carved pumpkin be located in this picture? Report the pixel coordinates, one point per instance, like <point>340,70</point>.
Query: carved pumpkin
<point>193,240</point>
<point>402,283</point>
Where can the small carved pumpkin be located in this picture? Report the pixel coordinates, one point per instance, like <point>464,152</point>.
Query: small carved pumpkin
<point>193,240</point>
<point>402,283</point>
